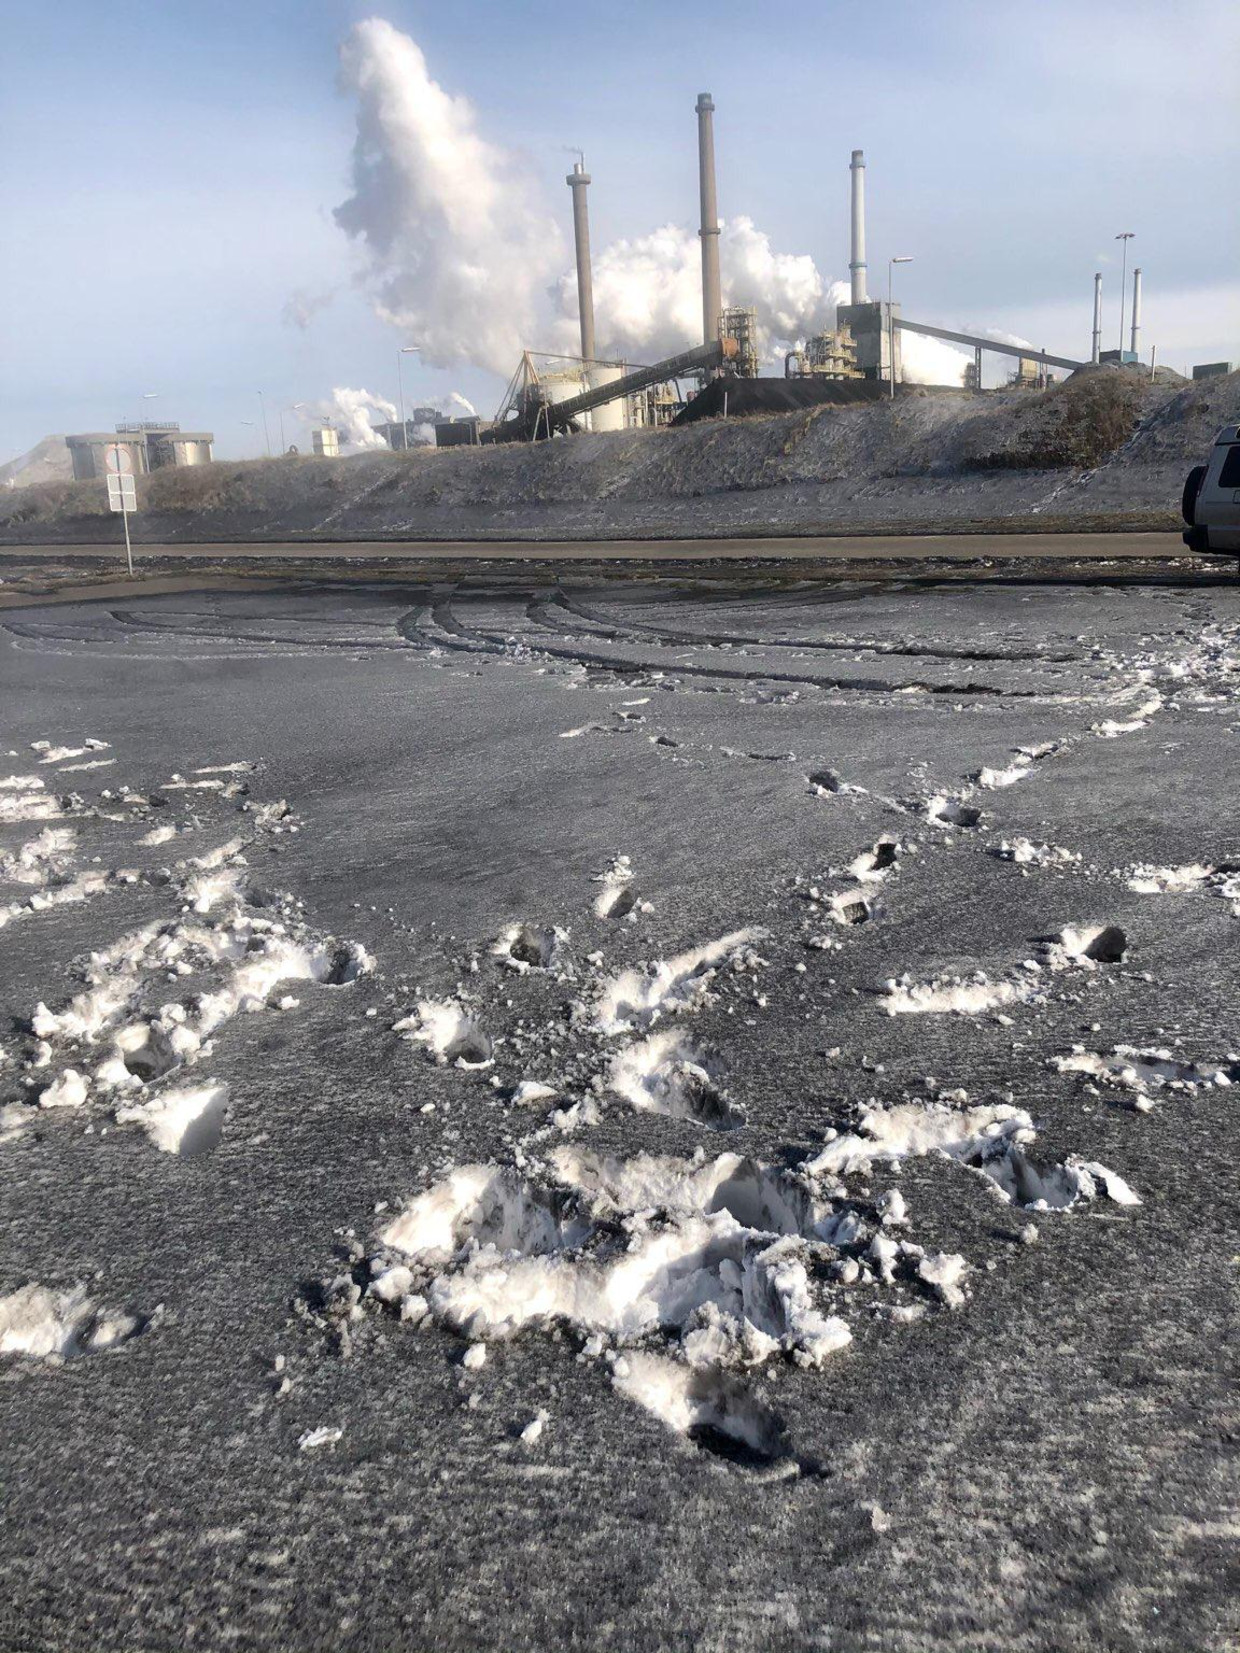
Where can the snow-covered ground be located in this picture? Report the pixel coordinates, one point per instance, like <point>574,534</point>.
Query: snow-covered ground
<point>620,1115</point>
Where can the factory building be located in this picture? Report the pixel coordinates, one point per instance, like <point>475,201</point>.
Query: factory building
<point>147,446</point>
<point>858,359</point>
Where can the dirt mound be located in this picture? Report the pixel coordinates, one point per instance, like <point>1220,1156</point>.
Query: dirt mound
<point>1106,448</point>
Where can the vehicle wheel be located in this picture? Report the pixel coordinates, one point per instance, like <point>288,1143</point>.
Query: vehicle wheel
<point>1192,487</point>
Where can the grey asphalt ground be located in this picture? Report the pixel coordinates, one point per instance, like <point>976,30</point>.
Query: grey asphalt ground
<point>1050,1466</point>
<point>835,547</point>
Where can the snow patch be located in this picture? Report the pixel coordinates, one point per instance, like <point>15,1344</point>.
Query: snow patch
<point>186,1120</point>
<point>525,947</point>
<point>993,1140</point>
<point>448,1032</point>
<point>669,1073</point>
<point>955,995</point>
<point>635,998</point>
<point>44,1324</point>
<point>947,811</point>
<point>876,863</point>
<point>1025,853</point>
<point>1150,1071</point>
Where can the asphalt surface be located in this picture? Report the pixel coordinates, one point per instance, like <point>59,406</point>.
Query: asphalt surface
<point>830,548</point>
<point>1049,1465</point>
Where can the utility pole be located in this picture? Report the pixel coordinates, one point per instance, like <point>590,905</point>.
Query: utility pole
<point>266,433</point>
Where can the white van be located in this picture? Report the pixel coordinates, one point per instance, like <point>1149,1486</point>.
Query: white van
<point>1211,505</point>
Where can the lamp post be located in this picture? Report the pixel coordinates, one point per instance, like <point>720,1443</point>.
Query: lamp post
<point>405,350</point>
<point>1125,236</point>
<point>292,408</point>
<point>266,433</point>
<point>891,323</point>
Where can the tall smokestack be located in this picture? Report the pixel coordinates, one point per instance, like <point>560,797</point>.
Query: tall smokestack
<point>712,302</point>
<point>1136,309</point>
<point>578,181</point>
<point>856,263</point>
<point>1096,350</point>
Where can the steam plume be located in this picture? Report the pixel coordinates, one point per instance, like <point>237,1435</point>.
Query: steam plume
<point>457,247</point>
<point>350,411</point>
<point>460,251</point>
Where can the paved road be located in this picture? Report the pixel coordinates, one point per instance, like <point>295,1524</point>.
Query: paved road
<point>834,547</point>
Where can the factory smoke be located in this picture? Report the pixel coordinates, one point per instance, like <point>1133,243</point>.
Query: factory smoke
<point>461,252</point>
<point>350,411</point>
<point>458,250</point>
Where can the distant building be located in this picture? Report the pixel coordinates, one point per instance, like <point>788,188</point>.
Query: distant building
<point>465,432</point>
<point>149,447</point>
<point>326,441</point>
<point>1211,370</point>
<point>414,433</point>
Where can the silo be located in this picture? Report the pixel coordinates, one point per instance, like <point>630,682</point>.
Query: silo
<point>611,416</point>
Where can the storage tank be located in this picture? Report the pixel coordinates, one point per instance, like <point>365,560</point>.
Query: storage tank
<point>611,416</point>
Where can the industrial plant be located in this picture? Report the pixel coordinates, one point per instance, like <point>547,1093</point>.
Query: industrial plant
<point>858,360</point>
<point>137,448</point>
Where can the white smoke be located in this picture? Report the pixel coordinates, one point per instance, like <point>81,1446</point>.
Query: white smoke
<point>350,411</point>
<point>648,292</point>
<point>460,251</point>
<point>458,248</point>
<point>456,400</point>
<point>927,361</point>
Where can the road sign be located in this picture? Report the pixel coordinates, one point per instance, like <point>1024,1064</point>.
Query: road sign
<point>119,460</point>
<point>122,495</point>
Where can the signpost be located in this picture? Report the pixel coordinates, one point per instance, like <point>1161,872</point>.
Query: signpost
<point>122,493</point>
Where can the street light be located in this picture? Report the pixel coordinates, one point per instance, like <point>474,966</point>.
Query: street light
<point>1125,236</point>
<point>405,350</point>
<point>891,324</point>
<point>266,433</point>
<point>292,408</point>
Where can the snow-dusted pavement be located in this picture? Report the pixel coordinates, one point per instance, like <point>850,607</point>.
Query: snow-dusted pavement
<point>646,1115</point>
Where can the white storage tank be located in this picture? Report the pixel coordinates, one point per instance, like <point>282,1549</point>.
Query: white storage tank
<point>611,416</point>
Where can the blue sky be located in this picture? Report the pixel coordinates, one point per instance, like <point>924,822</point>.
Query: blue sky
<point>169,174</point>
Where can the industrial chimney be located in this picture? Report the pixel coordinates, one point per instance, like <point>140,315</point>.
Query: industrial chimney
<point>856,263</point>
<point>1096,350</point>
<point>578,181</point>
<point>1136,309</point>
<point>712,302</point>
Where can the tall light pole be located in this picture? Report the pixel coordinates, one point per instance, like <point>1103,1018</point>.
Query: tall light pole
<point>405,350</point>
<point>1125,236</point>
<point>891,324</point>
<point>292,408</point>
<point>266,433</point>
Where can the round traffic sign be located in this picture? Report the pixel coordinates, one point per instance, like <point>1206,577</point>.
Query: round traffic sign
<point>119,460</point>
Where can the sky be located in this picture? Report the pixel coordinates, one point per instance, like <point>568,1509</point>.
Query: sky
<point>170,178</point>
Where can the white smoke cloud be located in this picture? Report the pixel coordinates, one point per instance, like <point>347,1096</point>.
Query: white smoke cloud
<point>350,411</point>
<point>458,248</point>
<point>461,252</point>
<point>648,292</point>
<point>927,361</point>
<point>456,400</point>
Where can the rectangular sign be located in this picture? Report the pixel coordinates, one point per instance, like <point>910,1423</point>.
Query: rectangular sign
<point>122,495</point>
